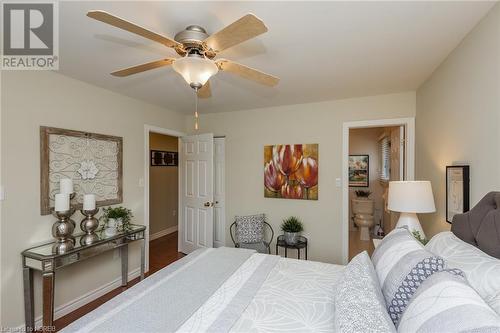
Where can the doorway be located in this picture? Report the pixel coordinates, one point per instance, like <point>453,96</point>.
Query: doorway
<point>374,153</point>
<point>161,222</point>
<point>212,186</point>
<point>163,200</point>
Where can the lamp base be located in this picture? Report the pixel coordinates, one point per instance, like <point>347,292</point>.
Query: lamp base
<point>411,221</point>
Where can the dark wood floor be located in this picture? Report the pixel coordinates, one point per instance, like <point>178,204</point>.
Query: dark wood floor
<point>162,252</point>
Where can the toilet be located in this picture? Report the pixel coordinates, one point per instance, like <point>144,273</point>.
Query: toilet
<point>362,210</point>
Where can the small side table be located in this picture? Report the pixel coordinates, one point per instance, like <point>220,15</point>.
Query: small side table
<point>301,244</point>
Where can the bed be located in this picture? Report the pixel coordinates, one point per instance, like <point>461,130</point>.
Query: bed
<point>224,289</point>
<point>238,290</point>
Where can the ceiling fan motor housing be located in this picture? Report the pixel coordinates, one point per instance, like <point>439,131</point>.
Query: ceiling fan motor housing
<point>192,37</point>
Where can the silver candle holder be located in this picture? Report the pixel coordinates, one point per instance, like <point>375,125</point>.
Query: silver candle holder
<point>62,231</point>
<point>89,225</point>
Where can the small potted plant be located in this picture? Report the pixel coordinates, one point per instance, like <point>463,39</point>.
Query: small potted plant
<point>419,237</point>
<point>116,219</point>
<point>292,227</point>
<point>362,194</point>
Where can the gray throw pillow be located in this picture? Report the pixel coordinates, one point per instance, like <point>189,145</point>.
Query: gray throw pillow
<point>359,304</point>
<point>250,229</point>
<point>402,265</point>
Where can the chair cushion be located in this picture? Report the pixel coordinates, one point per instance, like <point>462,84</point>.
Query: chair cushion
<point>359,304</point>
<point>402,265</point>
<point>482,271</point>
<point>250,229</point>
<point>445,302</point>
<point>261,247</point>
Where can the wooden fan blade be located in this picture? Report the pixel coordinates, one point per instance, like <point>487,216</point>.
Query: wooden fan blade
<point>115,21</point>
<point>249,26</point>
<point>205,91</point>
<point>143,67</point>
<point>247,72</point>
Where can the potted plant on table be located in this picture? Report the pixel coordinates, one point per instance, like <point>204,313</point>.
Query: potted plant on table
<point>362,194</point>
<point>292,227</point>
<point>116,219</point>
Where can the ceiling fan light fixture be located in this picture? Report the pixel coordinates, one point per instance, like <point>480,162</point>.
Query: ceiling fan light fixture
<point>196,70</point>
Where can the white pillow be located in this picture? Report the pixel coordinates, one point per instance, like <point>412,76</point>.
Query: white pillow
<point>482,271</point>
<point>445,302</point>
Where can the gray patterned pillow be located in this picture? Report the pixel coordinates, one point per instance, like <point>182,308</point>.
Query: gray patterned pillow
<point>359,304</point>
<point>445,302</point>
<point>250,229</point>
<point>402,265</point>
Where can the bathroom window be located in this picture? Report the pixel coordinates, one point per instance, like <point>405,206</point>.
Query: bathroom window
<point>385,159</point>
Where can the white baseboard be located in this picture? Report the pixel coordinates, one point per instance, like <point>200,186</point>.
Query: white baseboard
<point>163,233</point>
<point>77,303</point>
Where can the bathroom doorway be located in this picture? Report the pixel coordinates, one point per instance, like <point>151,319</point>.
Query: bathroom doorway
<point>374,154</point>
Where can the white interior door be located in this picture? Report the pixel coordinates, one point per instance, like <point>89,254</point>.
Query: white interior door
<point>219,193</point>
<point>196,223</point>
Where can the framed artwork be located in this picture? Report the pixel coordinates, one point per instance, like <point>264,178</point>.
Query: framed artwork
<point>93,161</point>
<point>291,171</point>
<point>359,170</point>
<point>457,190</point>
<point>164,158</point>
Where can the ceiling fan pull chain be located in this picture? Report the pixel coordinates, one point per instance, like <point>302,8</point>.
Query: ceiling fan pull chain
<point>196,109</point>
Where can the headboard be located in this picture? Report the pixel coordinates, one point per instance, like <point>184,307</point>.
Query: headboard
<point>481,225</point>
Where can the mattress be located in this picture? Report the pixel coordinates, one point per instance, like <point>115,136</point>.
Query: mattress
<point>223,290</point>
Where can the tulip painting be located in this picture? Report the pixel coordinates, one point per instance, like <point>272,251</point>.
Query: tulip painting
<point>291,171</point>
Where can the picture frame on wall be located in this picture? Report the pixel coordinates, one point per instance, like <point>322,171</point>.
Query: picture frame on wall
<point>94,162</point>
<point>164,158</point>
<point>457,190</point>
<point>359,170</point>
<point>291,171</point>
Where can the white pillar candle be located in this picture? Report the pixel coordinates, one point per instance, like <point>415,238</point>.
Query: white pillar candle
<point>88,202</point>
<point>65,186</point>
<point>61,202</point>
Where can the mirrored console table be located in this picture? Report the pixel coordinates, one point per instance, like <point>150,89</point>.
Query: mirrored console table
<point>44,258</point>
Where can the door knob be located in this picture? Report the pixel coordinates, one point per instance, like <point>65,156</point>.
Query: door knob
<point>206,204</point>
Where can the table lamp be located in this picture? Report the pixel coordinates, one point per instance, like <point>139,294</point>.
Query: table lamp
<point>410,198</point>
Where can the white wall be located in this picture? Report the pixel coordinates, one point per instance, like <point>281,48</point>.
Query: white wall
<point>34,98</point>
<point>458,118</point>
<point>247,132</point>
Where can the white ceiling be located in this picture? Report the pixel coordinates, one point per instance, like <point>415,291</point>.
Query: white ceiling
<point>320,50</point>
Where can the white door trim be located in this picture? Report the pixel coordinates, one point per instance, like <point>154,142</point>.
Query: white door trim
<point>409,124</point>
<point>152,129</point>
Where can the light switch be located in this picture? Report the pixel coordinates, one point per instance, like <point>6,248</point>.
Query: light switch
<point>2,193</point>
<point>141,182</point>
<point>338,182</point>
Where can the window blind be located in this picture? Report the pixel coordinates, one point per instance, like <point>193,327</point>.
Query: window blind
<point>385,159</point>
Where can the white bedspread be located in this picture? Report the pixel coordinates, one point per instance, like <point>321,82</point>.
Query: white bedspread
<point>297,296</point>
<point>263,294</point>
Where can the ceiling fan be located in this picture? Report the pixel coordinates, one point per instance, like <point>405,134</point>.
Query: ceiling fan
<point>198,51</point>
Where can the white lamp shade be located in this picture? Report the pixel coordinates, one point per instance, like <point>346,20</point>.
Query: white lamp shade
<point>195,70</point>
<point>411,197</point>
